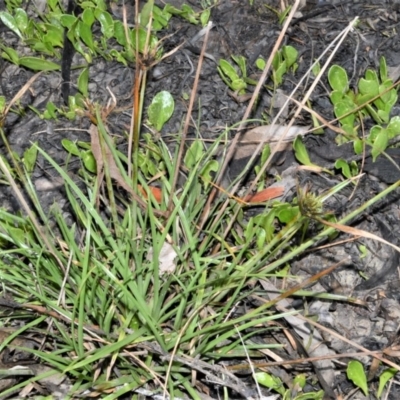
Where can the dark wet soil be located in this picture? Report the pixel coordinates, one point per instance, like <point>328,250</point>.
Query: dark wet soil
<point>251,31</point>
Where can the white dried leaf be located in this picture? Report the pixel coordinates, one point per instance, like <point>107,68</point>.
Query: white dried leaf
<point>394,72</point>
<point>166,259</point>
<point>43,184</point>
<point>268,134</point>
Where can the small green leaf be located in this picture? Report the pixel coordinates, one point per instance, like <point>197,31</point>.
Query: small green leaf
<point>277,74</point>
<point>358,146</point>
<point>394,127</point>
<point>71,147</point>
<point>146,13</point>
<point>54,35</point>
<point>38,64</point>
<point>143,40</point>
<point>344,111</point>
<point>30,156</point>
<point>88,17</point>
<point>300,152</point>
<point>270,381</point>
<point>194,154</point>
<point>287,213</point>
<point>311,396</point>
<point>119,33</point>
<point>344,166</point>
<point>85,33</point>
<point>9,21</point>
<point>373,133</point>
<point>337,77</point>
<point>83,81</point>
<point>51,111</point>
<point>205,17</point>
<point>241,62</point>
<point>228,70</point>
<point>261,236</point>
<point>21,19</point>
<point>160,18</point>
<point>356,373</point>
<point>161,109</point>
<point>386,375</point>
<point>3,103</point>
<point>83,145</point>
<point>388,96</point>
<point>363,251</point>
<point>205,173</point>
<point>383,72</point>
<point>89,161</point>
<point>336,97</point>
<point>380,144</point>
<point>118,57</point>
<point>290,55</point>
<point>316,69</point>
<point>189,14</point>
<point>238,85</point>
<point>107,24</point>
<point>260,64</point>
<point>53,5</point>
<point>68,20</point>
<point>368,87</point>
<point>10,55</point>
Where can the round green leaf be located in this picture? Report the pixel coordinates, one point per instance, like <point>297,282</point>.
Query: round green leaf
<point>89,161</point>
<point>287,213</point>
<point>67,20</point>
<point>260,64</point>
<point>342,108</point>
<point>161,109</point>
<point>337,77</point>
<point>369,87</point>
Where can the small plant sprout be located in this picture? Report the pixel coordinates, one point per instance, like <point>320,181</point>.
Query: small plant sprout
<point>356,373</point>
<point>375,97</point>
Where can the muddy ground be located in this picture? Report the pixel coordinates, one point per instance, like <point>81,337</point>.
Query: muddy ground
<point>251,31</point>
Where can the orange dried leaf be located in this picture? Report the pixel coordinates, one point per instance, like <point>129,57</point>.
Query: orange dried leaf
<point>265,195</point>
